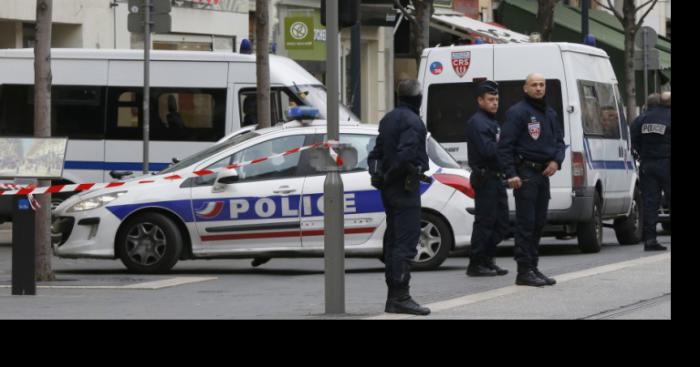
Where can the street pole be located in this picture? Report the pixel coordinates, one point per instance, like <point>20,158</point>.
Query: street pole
<point>334,250</point>
<point>584,18</point>
<point>146,82</point>
<point>645,61</point>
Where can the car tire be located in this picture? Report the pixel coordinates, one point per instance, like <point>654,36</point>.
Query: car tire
<point>149,243</point>
<point>436,242</point>
<point>590,234</point>
<point>628,230</point>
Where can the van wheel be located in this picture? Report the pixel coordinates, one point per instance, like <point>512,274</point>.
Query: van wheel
<point>149,243</point>
<point>435,242</point>
<point>590,234</point>
<point>628,230</point>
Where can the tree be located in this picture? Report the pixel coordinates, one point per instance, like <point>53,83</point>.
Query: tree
<point>420,31</point>
<point>631,25</point>
<point>545,18</point>
<point>262,60</point>
<point>42,128</point>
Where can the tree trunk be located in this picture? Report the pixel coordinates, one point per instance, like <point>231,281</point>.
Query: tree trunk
<point>545,18</point>
<point>421,29</point>
<point>629,24</point>
<point>42,128</point>
<point>262,36</point>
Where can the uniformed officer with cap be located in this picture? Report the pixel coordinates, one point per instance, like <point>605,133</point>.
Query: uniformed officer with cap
<point>651,142</point>
<point>491,200</point>
<point>532,150</point>
<point>396,164</point>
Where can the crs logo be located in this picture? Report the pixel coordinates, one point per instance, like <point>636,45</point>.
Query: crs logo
<point>436,68</point>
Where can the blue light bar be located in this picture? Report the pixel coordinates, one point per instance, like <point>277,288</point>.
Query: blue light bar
<point>302,113</point>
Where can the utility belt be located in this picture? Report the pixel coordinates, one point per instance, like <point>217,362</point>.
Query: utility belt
<point>487,172</point>
<point>524,163</point>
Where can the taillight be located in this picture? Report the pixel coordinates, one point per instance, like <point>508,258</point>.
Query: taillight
<point>459,183</point>
<point>578,169</point>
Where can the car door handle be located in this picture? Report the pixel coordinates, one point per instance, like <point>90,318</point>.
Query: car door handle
<point>284,190</point>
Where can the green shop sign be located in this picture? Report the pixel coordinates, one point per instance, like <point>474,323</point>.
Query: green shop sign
<point>299,34</point>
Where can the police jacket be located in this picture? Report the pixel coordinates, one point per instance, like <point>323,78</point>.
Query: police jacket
<point>531,132</point>
<point>400,146</point>
<point>651,134</point>
<point>483,133</point>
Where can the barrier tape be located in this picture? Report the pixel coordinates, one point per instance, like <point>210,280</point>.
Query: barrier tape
<point>13,189</point>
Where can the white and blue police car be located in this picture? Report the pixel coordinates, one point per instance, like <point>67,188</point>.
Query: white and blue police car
<point>259,211</point>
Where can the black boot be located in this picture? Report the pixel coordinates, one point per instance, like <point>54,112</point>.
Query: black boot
<point>492,265</point>
<point>400,301</point>
<point>547,280</point>
<point>480,270</point>
<point>653,245</point>
<point>529,278</point>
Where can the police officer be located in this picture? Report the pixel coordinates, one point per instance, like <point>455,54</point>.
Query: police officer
<point>396,163</point>
<point>532,150</point>
<point>651,143</point>
<point>491,201</point>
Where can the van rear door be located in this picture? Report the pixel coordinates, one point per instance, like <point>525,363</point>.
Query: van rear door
<point>449,77</point>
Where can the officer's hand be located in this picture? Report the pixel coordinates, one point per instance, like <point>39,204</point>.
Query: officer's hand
<point>515,183</point>
<point>551,169</point>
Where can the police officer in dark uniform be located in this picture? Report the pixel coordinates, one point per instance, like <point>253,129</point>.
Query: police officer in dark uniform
<point>651,143</point>
<point>396,165</point>
<point>491,201</point>
<point>532,150</point>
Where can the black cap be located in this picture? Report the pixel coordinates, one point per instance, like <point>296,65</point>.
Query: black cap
<point>487,86</point>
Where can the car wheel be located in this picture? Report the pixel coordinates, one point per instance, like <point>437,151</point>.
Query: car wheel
<point>435,242</point>
<point>628,230</point>
<point>590,234</point>
<point>149,243</point>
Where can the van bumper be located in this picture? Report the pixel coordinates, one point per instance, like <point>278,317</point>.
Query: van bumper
<point>581,209</point>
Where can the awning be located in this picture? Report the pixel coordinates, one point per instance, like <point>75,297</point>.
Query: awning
<point>460,25</point>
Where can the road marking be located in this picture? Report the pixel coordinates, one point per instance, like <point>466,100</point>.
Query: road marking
<point>155,285</point>
<point>484,296</point>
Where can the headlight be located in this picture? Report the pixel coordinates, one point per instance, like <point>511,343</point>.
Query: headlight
<point>96,202</point>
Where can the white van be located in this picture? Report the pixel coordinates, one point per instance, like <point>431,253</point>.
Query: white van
<point>598,179</point>
<point>97,101</point>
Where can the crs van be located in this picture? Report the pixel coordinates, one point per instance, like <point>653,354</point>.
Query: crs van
<point>196,98</point>
<point>598,179</point>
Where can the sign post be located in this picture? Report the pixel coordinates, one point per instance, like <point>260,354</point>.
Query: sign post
<point>26,160</point>
<point>648,58</point>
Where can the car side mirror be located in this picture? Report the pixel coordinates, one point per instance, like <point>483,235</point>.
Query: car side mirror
<point>224,178</point>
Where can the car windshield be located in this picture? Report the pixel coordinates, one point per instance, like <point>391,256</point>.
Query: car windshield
<point>210,151</point>
<point>439,155</point>
<point>315,95</point>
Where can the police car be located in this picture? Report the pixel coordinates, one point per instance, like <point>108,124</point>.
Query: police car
<point>269,209</point>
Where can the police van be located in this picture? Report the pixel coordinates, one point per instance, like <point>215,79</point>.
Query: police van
<point>196,98</point>
<point>598,180</point>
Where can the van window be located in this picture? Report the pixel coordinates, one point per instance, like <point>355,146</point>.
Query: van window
<point>76,111</point>
<point>280,101</point>
<point>599,110</point>
<point>451,105</point>
<point>176,114</point>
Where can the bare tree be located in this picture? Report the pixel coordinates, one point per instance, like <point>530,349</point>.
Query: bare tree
<point>420,32</point>
<point>262,59</point>
<point>42,128</point>
<point>545,18</point>
<point>631,25</point>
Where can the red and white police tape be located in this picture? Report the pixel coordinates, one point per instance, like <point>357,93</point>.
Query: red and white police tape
<point>13,189</point>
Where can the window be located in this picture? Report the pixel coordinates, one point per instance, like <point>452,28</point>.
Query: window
<point>77,112</point>
<point>439,155</point>
<point>361,142</point>
<point>280,101</point>
<point>276,168</point>
<point>16,110</point>
<point>600,112</point>
<point>450,105</point>
<point>176,114</point>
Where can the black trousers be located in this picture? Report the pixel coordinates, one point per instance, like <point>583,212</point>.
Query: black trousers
<point>655,175</point>
<point>531,204</point>
<point>403,215</point>
<point>491,217</point>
